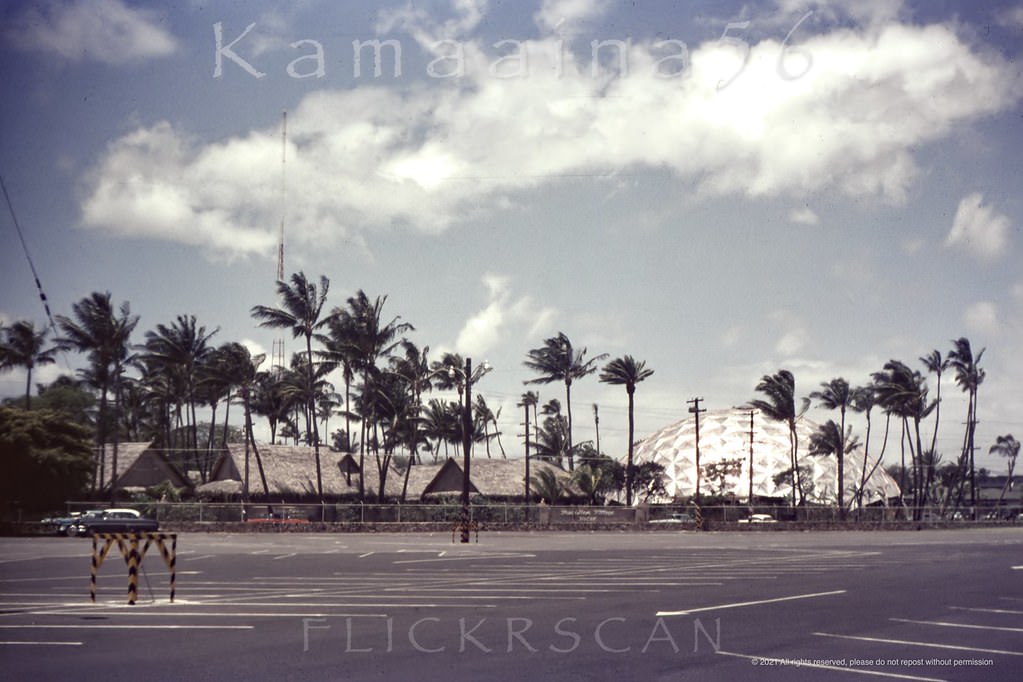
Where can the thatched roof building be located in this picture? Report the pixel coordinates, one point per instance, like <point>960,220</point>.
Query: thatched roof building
<point>139,465</point>
<point>291,474</point>
<point>490,478</point>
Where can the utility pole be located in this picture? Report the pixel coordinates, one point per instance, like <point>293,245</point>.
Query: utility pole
<point>525,404</point>
<point>751,413</point>
<point>466,450</point>
<point>695,411</point>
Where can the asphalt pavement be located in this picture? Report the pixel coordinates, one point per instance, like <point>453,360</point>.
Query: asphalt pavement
<point>686,605</point>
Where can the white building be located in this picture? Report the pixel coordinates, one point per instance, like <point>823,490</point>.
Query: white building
<point>725,435</point>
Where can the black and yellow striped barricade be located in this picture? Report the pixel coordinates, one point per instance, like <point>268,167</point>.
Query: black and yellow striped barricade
<point>128,544</point>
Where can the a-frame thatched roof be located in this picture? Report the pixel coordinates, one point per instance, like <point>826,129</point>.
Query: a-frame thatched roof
<point>139,465</point>
<point>492,478</point>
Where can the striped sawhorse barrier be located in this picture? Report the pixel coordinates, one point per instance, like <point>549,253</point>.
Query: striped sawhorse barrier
<point>128,544</point>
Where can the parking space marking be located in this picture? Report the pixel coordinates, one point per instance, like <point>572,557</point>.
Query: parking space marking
<point>42,643</point>
<point>111,626</point>
<point>758,602</point>
<point>206,614</point>
<point>956,625</point>
<point>932,645</point>
<point>976,610</point>
<point>858,671</point>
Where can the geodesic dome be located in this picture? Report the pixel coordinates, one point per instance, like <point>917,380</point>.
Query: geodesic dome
<point>725,435</point>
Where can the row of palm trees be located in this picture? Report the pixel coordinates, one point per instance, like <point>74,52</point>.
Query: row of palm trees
<point>161,388</point>
<point>177,371</point>
<point>903,395</point>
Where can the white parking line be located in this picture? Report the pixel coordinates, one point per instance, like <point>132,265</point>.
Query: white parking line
<point>932,645</point>
<point>749,603</point>
<point>42,643</point>
<point>109,626</point>
<point>771,660</point>
<point>956,625</point>
<point>976,610</point>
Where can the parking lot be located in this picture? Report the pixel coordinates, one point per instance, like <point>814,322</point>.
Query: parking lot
<point>774,605</point>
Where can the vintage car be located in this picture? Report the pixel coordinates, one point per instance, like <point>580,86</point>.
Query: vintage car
<point>759,518</point>
<point>113,521</point>
<point>63,525</point>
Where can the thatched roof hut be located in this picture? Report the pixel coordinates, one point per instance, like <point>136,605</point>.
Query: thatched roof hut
<point>490,478</point>
<point>290,471</point>
<point>139,465</point>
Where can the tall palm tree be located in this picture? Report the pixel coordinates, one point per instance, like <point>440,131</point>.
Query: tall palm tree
<point>242,368</point>
<point>22,346</point>
<point>301,307</point>
<point>936,365</point>
<point>180,349</point>
<point>103,333</point>
<point>626,371</point>
<point>969,376</point>
<point>903,392</point>
<point>368,338</point>
<point>556,361</point>
<point>780,405</point>
<point>864,400</point>
<point>1007,447</point>
<point>836,395</point>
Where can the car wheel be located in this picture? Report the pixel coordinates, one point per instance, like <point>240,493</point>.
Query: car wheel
<point>70,531</point>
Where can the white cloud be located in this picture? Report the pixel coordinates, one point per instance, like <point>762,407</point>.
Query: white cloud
<point>803,216</point>
<point>107,31</point>
<point>979,228</point>
<point>982,318</point>
<point>794,336</point>
<point>490,326</point>
<point>442,151</point>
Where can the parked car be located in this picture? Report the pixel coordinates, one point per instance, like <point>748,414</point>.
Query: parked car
<point>114,521</point>
<point>63,525</point>
<point>759,518</point>
<point>676,517</point>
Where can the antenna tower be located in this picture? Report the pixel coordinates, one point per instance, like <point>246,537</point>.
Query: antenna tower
<point>277,354</point>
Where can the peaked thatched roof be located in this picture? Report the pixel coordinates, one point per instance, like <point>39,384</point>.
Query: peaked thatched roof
<point>488,477</point>
<point>139,465</point>
<point>291,471</point>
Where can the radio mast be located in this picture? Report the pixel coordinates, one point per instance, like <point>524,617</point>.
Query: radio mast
<point>277,354</point>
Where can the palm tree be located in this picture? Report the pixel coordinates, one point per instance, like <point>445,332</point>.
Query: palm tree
<point>864,400</point>
<point>626,371</point>
<point>243,370</point>
<point>780,405</point>
<point>969,376</point>
<point>555,361</point>
<point>936,365</point>
<point>903,392</point>
<point>179,350</point>
<point>836,394</point>
<point>1007,447</point>
<point>366,338</point>
<point>22,346</point>
<point>104,334</point>
<point>547,486</point>
<point>302,304</point>
<point>590,481</point>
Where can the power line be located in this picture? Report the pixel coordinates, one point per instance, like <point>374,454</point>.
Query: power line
<point>28,256</point>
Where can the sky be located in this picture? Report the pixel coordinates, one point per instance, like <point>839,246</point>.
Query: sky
<point>719,189</point>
